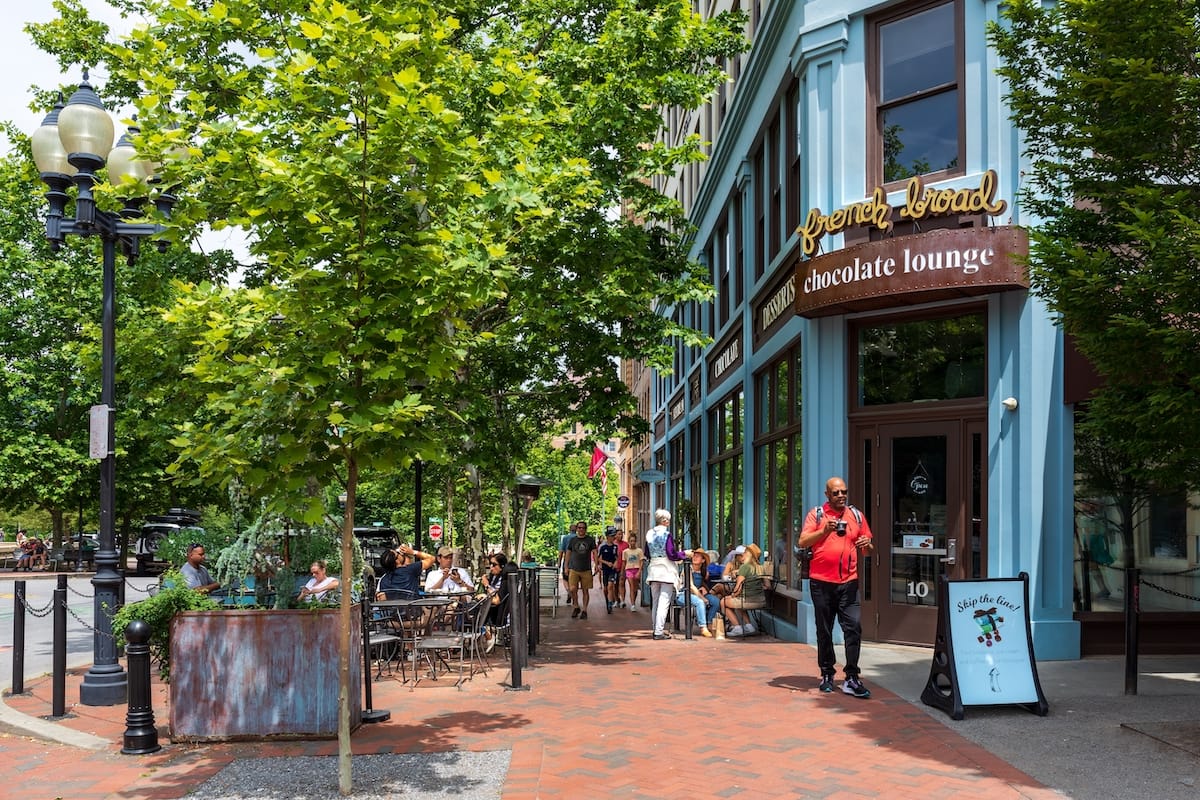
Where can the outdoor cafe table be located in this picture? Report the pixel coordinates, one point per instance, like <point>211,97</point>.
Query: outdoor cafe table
<point>429,606</point>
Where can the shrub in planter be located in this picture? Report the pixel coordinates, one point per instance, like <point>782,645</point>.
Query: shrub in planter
<point>157,611</point>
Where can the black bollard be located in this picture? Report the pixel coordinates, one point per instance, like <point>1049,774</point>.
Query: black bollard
<point>1132,609</point>
<point>18,662</point>
<point>516,619</point>
<point>141,734</point>
<point>58,697</point>
<point>369,714</point>
<point>534,605</point>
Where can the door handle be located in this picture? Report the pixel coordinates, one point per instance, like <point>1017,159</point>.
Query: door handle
<point>951,552</point>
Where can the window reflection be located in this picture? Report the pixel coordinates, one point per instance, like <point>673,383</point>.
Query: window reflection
<point>922,360</point>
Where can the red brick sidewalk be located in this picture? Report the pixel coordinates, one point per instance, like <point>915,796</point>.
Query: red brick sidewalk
<point>609,711</point>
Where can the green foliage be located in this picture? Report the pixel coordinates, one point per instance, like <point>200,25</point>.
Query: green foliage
<point>173,547</point>
<point>573,497</point>
<point>431,192</point>
<point>1106,96</point>
<point>157,611</point>
<point>688,523</point>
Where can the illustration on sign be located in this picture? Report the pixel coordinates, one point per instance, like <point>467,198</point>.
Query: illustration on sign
<point>992,657</point>
<point>983,654</point>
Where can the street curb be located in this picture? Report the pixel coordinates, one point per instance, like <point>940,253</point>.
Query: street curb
<point>44,729</point>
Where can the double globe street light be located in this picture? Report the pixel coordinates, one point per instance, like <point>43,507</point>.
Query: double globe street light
<point>72,145</point>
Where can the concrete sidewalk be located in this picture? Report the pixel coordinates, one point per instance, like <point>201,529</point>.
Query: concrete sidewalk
<point>611,712</point>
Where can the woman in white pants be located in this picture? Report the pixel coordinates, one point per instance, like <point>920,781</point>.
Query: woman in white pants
<point>662,574</point>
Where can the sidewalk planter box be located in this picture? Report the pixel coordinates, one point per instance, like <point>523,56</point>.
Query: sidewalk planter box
<point>261,674</point>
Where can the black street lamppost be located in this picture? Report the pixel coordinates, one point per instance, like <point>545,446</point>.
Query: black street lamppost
<point>72,144</point>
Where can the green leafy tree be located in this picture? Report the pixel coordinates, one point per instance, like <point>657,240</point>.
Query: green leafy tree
<point>431,192</point>
<point>44,333</point>
<point>1106,95</point>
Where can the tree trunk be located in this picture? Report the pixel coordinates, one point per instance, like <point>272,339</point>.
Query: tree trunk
<point>56,527</point>
<point>506,520</point>
<point>448,522</point>
<point>345,753</point>
<point>473,547</point>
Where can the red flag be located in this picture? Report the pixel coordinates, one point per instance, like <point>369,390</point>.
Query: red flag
<point>603,479</point>
<point>598,459</point>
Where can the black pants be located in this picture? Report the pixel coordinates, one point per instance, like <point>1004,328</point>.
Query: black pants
<point>840,600</point>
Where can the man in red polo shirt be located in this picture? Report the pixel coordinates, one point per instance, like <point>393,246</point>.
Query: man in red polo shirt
<point>838,534</point>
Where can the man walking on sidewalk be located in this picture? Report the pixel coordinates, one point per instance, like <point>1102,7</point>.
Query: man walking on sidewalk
<point>838,533</point>
<point>581,550</point>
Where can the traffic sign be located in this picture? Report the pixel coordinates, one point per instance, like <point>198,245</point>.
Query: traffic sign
<point>623,501</point>
<point>435,532</point>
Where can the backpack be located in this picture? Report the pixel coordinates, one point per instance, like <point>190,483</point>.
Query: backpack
<point>805,554</point>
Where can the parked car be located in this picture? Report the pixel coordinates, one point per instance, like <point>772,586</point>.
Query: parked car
<point>157,528</point>
<point>374,540</point>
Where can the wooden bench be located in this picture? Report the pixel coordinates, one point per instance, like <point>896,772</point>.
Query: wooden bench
<point>8,554</point>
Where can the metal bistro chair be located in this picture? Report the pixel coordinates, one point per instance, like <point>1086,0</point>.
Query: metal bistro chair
<point>407,624</point>
<point>386,644</point>
<point>549,583</point>
<point>456,633</point>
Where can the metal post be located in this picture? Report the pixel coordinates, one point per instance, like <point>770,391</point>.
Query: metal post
<point>18,662</point>
<point>369,714</point>
<point>517,621</point>
<point>58,701</point>
<point>105,682</point>
<point>141,734</point>
<point>535,608</point>
<point>1132,582</point>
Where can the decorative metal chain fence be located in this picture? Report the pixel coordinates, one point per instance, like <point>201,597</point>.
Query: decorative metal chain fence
<point>37,612</point>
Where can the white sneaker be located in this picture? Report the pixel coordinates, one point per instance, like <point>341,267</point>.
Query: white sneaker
<point>748,629</point>
<point>735,631</point>
<point>633,609</point>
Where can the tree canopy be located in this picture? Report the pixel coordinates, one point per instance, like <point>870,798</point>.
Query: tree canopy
<point>1105,95</point>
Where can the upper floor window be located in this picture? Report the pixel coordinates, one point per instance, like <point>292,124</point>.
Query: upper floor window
<point>916,78</point>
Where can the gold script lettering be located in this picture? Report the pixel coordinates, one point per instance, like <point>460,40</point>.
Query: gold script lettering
<point>921,202</point>
<point>875,211</point>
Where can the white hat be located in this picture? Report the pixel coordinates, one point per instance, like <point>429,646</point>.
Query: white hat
<point>741,548</point>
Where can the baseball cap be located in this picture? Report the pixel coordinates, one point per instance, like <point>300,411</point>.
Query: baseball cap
<point>610,531</point>
<point>741,548</point>
<point>445,551</point>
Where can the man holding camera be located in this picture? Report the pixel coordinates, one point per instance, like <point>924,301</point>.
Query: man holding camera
<point>838,533</point>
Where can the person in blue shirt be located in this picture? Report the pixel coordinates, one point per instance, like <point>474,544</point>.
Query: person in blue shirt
<point>607,554</point>
<point>402,570</point>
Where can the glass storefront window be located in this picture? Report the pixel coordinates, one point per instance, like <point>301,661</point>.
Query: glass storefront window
<point>922,360</point>
<point>1157,532</point>
<point>725,473</point>
<point>777,458</point>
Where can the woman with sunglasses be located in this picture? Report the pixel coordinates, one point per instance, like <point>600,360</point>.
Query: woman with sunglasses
<point>706,604</point>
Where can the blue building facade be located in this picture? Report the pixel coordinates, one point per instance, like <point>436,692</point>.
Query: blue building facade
<point>860,216</point>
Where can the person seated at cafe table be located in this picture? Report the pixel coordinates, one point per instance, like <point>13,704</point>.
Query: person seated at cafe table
<point>745,595</point>
<point>722,579</point>
<point>319,585</point>
<point>706,605</point>
<point>402,570</point>
<point>195,574</point>
<point>446,578</point>
<point>496,589</point>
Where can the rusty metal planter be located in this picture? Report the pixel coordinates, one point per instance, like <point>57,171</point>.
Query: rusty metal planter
<point>260,674</point>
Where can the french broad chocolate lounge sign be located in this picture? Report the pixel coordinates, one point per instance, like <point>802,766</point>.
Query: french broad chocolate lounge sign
<point>917,268</point>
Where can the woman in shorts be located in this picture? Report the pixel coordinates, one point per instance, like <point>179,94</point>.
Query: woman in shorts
<point>633,558</point>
